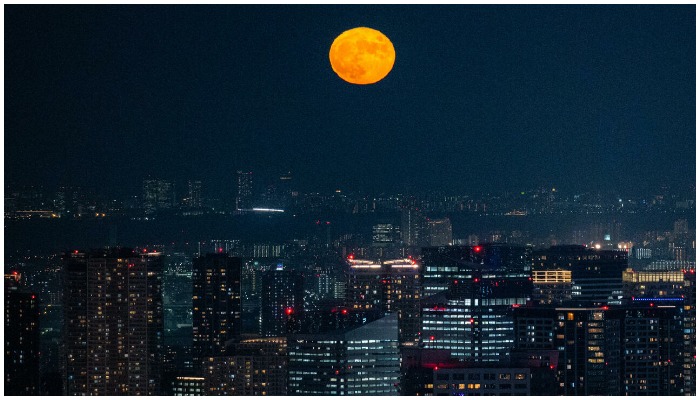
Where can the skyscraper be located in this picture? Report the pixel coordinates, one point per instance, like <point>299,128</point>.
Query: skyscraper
<point>244,196</point>
<point>440,232</point>
<point>113,322</point>
<point>281,301</point>
<point>21,338</point>
<point>257,367</point>
<point>361,360</point>
<point>194,194</point>
<point>475,291</point>
<point>596,275</point>
<point>390,286</point>
<point>216,304</point>
<point>157,195</point>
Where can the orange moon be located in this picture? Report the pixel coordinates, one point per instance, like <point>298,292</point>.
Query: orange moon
<point>362,56</point>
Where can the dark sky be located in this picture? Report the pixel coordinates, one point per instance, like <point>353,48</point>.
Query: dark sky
<point>480,98</point>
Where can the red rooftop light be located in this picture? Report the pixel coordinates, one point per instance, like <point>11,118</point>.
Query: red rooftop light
<point>477,249</point>
<point>289,311</point>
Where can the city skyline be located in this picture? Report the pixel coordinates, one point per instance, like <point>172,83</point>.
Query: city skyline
<point>248,200</point>
<point>480,97</point>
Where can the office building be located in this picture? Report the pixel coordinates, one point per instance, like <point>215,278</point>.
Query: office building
<point>244,196</point>
<point>439,232</point>
<point>390,286</point>
<point>474,291</point>
<point>157,195</point>
<point>596,275</point>
<point>359,361</point>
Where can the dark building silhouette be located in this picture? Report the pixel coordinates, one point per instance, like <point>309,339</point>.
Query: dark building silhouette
<point>216,305</point>
<point>113,322</point>
<point>22,348</point>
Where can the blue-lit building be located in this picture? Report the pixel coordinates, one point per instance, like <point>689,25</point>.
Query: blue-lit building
<point>474,291</point>
<point>361,360</point>
<point>281,301</point>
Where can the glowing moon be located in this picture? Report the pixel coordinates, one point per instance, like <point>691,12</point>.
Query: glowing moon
<point>362,56</point>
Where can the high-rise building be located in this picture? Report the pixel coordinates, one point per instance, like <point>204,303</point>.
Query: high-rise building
<point>194,194</point>
<point>363,360</point>
<point>216,304</point>
<point>188,386</point>
<point>22,345</point>
<point>444,264</point>
<point>113,322</point>
<point>596,275</point>
<point>412,226</point>
<point>440,232</point>
<point>257,367</point>
<point>244,196</point>
<point>281,301</point>
<point>157,195</point>
<point>390,286</point>
<point>618,350</point>
<point>474,291</point>
<point>385,234</point>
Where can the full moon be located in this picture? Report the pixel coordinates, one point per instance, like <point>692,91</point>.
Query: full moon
<point>362,56</point>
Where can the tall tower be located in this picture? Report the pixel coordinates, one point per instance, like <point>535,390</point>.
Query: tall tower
<point>21,338</point>
<point>216,304</point>
<point>113,322</point>
<point>281,301</point>
<point>157,195</point>
<point>391,286</point>
<point>194,194</point>
<point>244,197</point>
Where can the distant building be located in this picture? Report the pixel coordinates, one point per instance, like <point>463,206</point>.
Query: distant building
<point>194,195</point>
<point>412,227</point>
<point>22,346</point>
<point>216,304</point>
<point>385,234</point>
<point>157,195</point>
<point>360,361</point>
<point>113,322</point>
<point>440,232</point>
<point>244,197</point>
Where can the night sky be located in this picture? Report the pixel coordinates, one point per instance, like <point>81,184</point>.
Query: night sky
<point>481,98</point>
